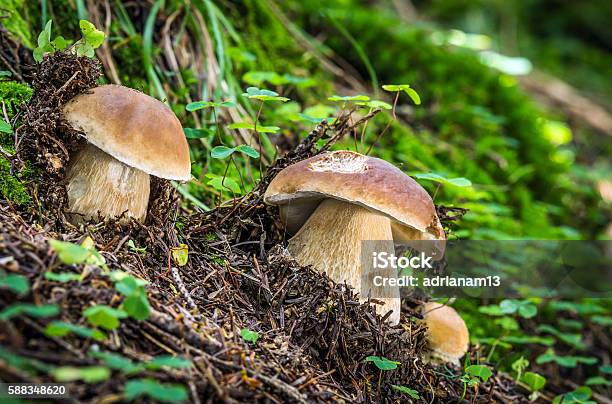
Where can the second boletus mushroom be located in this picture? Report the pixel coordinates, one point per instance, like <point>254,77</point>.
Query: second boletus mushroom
<point>335,201</point>
<point>447,334</point>
<point>130,136</point>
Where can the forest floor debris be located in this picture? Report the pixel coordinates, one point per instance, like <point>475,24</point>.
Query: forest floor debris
<point>313,334</point>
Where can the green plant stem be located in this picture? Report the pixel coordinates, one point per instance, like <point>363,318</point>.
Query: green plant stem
<point>223,180</point>
<point>239,172</point>
<point>259,140</point>
<point>214,111</point>
<point>388,123</point>
<point>363,130</point>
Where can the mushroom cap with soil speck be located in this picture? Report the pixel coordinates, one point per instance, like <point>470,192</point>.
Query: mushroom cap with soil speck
<point>354,178</point>
<point>447,333</point>
<point>343,208</point>
<point>132,127</point>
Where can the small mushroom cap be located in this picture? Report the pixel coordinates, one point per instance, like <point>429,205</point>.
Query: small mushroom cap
<point>352,177</point>
<point>134,128</point>
<point>447,333</point>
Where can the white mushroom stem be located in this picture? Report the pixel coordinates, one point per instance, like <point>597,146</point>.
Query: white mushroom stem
<point>100,185</point>
<point>331,241</point>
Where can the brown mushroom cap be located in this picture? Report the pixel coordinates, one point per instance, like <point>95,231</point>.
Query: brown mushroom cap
<point>134,128</point>
<point>352,177</point>
<point>447,333</point>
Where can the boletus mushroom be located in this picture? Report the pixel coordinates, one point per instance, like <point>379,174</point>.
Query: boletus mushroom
<point>447,333</point>
<point>333,202</point>
<point>130,136</point>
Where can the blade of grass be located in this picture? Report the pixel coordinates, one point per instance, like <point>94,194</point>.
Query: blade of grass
<point>360,52</point>
<point>44,13</point>
<point>219,45</point>
<point>147,51</point>
<point>124,19</point>
<point>82,10</point>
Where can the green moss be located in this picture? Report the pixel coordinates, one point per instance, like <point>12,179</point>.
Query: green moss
<point>11,187</point>
<point>15,22</point>
<point>12,94</point>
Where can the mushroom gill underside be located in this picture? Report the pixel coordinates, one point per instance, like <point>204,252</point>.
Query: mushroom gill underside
<point>331,241</point>
<point>98,185</point>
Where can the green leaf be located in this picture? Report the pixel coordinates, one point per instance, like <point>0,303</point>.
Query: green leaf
<point>132,247</point>
<point>61,329</point>
<point>509,306</point>
<point>62,277</point>
<point>85,49</point>
<point>395,87</point>
<point>23,363</point>
<point>198,133</point>
<point>32,310</point>
<point>167,393</point>
<point>414,96</point>
<point>529,339</point>
<point>44,38</point>
<point>93,36</point>
<point>220,184</point>
<point>382,363</point>
<point>584,309</point>
<point>249,336</point>
<point>405,88</point>
<point>59,43</point>
<point>250,126</point>
<point>574,340</point>
<point>168,361</point>
<point>5,127</point>
<point>44,43</point>
<point>15,283</point>
<point>492,310</point>
<point>534,381</point>
<point>117,362</point>
<point>180,254</point>
<point>403,389</point>
<point>73,254</point>
<point>248,150</point>
<point>528,310</point>
<point>606,321</point>
<point>480,371</point>
<point>507,323</point>
<point>458,182</point>
<point>598,381</point>
<point>197,105</point>
<point>136,303</point>
<point>263,95</point>
<point>104,316</point>
<point>606,369</point>
<point>375,104</point>
<point>91,374</point>
<point>565,361</point>
<point>222,152</point>
<point>579,396</point>
<point>520,364</point>
<point>69,253</point>
<point>129,285</point>
<point>347,98</point>
<point>137,306</point>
